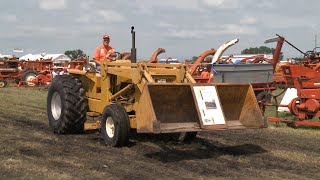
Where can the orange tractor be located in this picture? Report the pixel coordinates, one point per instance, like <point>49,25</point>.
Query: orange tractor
<point>32,73</point>
<point>36,72</point>
<point>9,71</point>
<point>41,72</point>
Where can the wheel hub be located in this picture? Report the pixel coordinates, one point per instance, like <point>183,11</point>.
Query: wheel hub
<point>30,79</point>
<point>2,84</point>
<point>56,105</point>
<point>110,127</point>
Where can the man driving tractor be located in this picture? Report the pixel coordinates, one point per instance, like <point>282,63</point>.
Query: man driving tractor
<point>103,51</point>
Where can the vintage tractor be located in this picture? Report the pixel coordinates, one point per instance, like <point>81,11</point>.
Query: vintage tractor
<point>34,72</point>
<point>149,98</point>
<point>9,71</point>
<point>28,73</point>
<point>39,72</point>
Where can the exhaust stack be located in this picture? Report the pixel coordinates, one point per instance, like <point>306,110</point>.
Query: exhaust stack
<point>133,49</point>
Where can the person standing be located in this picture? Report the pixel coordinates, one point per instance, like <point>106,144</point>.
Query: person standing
<point>205,74</point>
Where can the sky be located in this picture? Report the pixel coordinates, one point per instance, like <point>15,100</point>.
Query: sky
<point>185,28</point>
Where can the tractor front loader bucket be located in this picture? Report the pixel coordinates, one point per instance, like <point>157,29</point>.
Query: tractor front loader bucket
<point>170,107</point>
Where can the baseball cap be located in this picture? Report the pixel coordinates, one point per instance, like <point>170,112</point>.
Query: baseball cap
<point>105,37</point>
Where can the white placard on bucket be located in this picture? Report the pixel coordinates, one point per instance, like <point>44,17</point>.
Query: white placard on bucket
<point>209,105</point>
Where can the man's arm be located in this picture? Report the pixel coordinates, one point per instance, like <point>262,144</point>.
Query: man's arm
<point>96,56</point>
<point>111,54</point>
<point>96,61</point>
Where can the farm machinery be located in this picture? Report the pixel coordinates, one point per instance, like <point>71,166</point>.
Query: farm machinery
<point>147,97</point>
<point>9,71</point>
<point>32,73</point>
<point>306,105</point>
<point>36,72</point>
<point>41,72</point>
<point>304,76</point>
<point>78,63</point>
<point>259,73</point>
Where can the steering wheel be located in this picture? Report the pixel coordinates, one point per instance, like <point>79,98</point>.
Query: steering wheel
<point>310,54</point>
<point>114,56</point>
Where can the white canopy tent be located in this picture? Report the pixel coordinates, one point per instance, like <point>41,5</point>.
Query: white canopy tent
<point>6,56</point>
<point>58,58</point>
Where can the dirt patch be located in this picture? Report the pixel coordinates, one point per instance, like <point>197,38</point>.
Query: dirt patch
<point>28,149</point>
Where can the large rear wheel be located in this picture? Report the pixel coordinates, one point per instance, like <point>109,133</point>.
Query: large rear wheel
<point>66,105</point>
<point>115,126</point>
<point>28,77</point>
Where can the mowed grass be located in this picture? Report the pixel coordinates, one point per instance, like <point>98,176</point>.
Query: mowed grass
<point>29,150</point>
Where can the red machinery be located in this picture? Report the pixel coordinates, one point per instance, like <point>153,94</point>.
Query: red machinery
<point>305,77</point>
<point>259,75</point>
<point>77,63</point>
<point>9,70</point>
<point>41,79</point>
<point>307,105</point>
<point>33,71</point>
<point>27,71</point>
<point>307,83</point>
<point>40,72</point>
<point>277,74</point>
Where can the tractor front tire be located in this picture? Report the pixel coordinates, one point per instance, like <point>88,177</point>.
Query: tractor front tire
<point>115,127</point>
<point>66,105</point>
<point>3,83</point>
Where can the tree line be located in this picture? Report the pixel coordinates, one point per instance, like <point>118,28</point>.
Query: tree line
<point>74,54</point>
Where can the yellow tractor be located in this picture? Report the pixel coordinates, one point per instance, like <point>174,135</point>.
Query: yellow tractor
<point>149,98</point>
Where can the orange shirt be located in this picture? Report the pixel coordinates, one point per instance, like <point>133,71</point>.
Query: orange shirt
<point>101,52</point>
<point>205,74</point>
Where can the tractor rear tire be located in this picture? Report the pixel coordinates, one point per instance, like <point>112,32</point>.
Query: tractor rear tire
<point>66,105</point>
<point>3,83</point>
<point>115,127</point>
<point>28,75</point>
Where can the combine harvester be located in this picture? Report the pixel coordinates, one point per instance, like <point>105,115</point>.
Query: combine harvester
<point>149,98</point>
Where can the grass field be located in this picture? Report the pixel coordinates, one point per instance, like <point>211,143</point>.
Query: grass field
<point>29,150</point>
